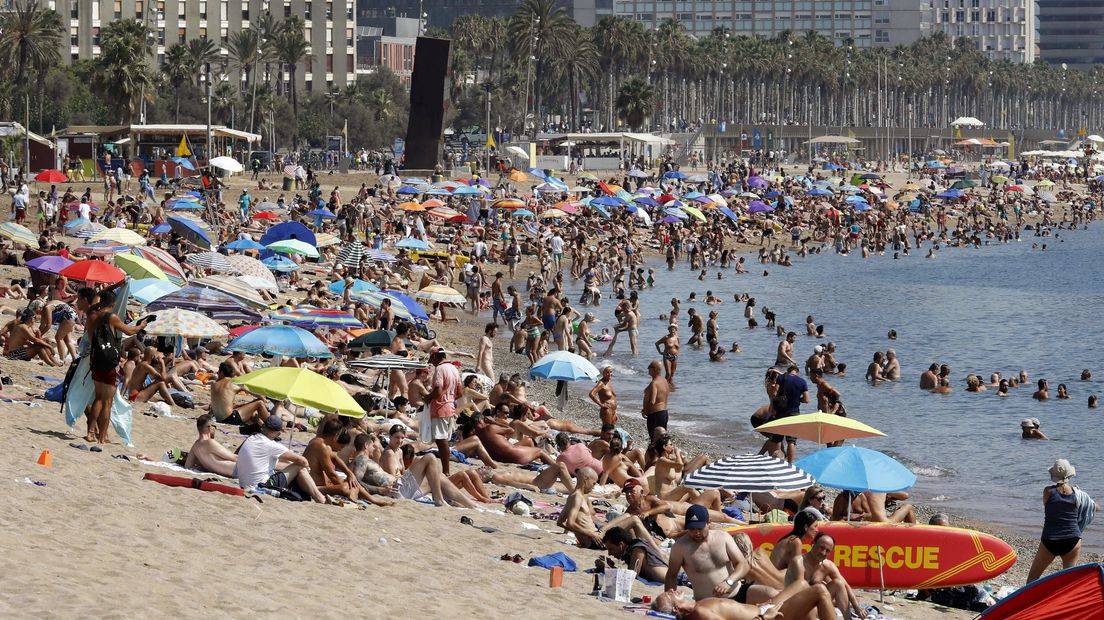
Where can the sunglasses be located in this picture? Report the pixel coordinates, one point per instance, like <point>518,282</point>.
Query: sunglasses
<point>819,498</point>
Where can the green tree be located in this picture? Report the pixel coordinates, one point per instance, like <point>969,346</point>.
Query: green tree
<point>290,48</point>
<point>245,51</point>
<point>177,69</point>
<point>635,101</point>
<point>201,52</point>
<point>121,75</point>
<point>29,37</point>
<point>534,31</point>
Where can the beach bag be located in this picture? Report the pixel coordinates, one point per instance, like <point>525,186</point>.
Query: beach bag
<point>105,347</point>
<point>618,584</point>
<point>425,425</point>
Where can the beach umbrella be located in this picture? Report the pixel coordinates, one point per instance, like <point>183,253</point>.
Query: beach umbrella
<point>857,469</point>
<point>964,184</point>
<point>372,339</point>
<point>210,260</point>
<point>445,213</point>
<point>242,329</point>
<point>149,290</point>
<point>358,286</point>
<point>697,214</point>
<point>77,224</point>
<point>757,473</point>
<point>161,229</point>
<point>261,284</point>
<point>164,260</point>
<point>184,204</point>
<point>1072,594</point>
<point>508,203</point>
<point>375,299</point>
<point>440,293</point>
<point>1046,196</point>
<point>380,256</point>
<point>213,303</point>
<point>139,268</point>
<point>124,236</point>
<point>412,206</point>
<point>854,200</point>
<point>553,214</point>
<point>51,176</point>
<point>950,194</point>
<point>93,271</point>
<point>249,266</point>
<point>303,387</point>
<point>183,162</point>
<point>390,180</point>
<point>322,212</point>
<point>637,174</point>
<point>563,366</point>
<point>294,246</point>
<point>467,190</point>
<point>324,240</point>
<point>233,287</point>
<point>351,255</point>
<point>409,304</point>
<point>228,164</point>
<point>309,317</point>
<point>286,340</point>
<point>19,234</point>
<point>280,263</point>
<point>608,201</point>
<point>191,231</point>
<point>410,243</point>
<point>387,361</point>
<point>408,191</point>
<point>184,323</point>
<point>101,248</point>
<point>522,213</point>
<point>820,428</point>
<point>675,174</point>
<point>818,191</point>
<point>242,245</point>
<point>757,182</point>
<point>437,191</point>
<point>1045,183</point>
<point>265,215</point>
<point>49,264</point>
<point>758,206</point>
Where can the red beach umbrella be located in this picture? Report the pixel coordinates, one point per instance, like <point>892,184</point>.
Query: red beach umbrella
<point>93,271</point>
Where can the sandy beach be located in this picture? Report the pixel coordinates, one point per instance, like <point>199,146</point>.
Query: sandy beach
<point>88,536</point>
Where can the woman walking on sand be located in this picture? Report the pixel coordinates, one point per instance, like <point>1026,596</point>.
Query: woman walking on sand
<point>1068,511</point>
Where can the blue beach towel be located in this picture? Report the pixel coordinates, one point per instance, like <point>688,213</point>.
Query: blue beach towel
<point>554,559</point>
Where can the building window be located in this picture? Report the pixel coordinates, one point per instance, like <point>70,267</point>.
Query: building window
<point>307,11</point>
<point>308,84</point>
<point>96,36</point>
<point>140,8</point>
<point>329,63</point>
<point>181,34</point>
<point>180,10</point>
<point>73,12</point>
<point>287,10</point>
<point>203,10</point>
<point>350,64</point>
<point>245,13</point>
<point>329,10</point>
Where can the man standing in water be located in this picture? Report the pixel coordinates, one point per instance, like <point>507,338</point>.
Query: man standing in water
<point>786,351</point>
<point>655,401</point>
<point>669,351</point>
<point>792,391</point>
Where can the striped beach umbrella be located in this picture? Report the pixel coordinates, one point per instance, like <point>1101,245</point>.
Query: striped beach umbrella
<point>19,234</point>
<point>440,293</point>
<point>285,340</point>
<point>388,361</point>
<point>280,263</point>
<point>324,240</point>
<point>351,255</point>
<point>123,236</point>
<point>102,248</point>
<point>207,301</point>
<point>149,290</point>
<point>750,472</point>
<point>164,261</point>
<point>139,268</point>
<point>508,203</point>
<point>294,246</point>
<point>375,299</point>
<point>210,260</point>
<point>381,256</point>
<point>444,213</point>
<point>261,284</point>
<point>184,323</point>
<point>234,288</point>
<point>87,232</point>
<point>310,317</point>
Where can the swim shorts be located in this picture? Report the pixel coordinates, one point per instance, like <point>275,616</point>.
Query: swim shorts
<point>742,592</point>
<point>110,377</point>
<point>549,321</point>
<point>233,418</point>
<point>442,428</point>
<point>656,419</point>
<point>19,354</point>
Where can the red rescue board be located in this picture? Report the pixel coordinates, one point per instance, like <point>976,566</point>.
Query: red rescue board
<point>194,483</point>
<point>914,556</point>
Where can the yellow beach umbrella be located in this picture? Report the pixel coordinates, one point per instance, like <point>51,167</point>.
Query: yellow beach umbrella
<point>124,236</point>
<point>553,213</point>
<point>411,206</point>
<point>517,176</point>
<point>303,387</point>
<point>820,427</point>
<point>695,212</point>
<point>441,293</point>
<point>139,268</point>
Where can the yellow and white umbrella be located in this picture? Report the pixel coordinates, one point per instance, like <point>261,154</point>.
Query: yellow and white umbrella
<point>18,234</point>
<point>124,236</point>
<point>440,293</point>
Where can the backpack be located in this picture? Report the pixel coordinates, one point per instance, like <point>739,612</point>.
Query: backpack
<point>105,347</point>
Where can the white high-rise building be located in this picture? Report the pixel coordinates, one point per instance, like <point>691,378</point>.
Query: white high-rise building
<point>1001,29</point>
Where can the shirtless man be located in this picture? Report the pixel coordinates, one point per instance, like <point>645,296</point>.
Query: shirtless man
<point>639,555</point>
<point>550,308</point>
<point>24,343</point>
<point>715,565</point>
<point>1043,392</point>
<point>208,455</point>
<point>660,515</point>
<point>786,351</point>
<point>799,606</point>
<point>892,369</point>
<point>241,367</point>
<point>577,516</point>
<point>417,391</point>
<point>815,361</point>
<point>152,366</point>
<point>561,330</point>
<point>696,328</point>
<point>322,459</point>
<point>930,378</point>
<point>655,401</point>
<point>602,394</point>
<point>814,568</point>
<point>669,351</point>
<point>222,400</point>
<point>628,321</point>
<point>552,478</point>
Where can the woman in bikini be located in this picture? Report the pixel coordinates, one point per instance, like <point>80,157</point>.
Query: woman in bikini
<point>804,530</point>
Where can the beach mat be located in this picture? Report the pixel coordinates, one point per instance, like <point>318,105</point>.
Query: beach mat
<point>194,483</point>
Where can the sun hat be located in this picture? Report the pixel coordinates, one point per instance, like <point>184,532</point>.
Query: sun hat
<point>1061,471</point>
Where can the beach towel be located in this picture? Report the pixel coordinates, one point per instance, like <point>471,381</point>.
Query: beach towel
<point>1086,509</point>
<point>554,559</point>
<point>81,392</point>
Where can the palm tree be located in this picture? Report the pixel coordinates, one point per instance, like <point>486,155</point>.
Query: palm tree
<point>224,100</point>
<point>634,101</point>
<point>29,36</point>
<point>120,73</point>
<point>244,49</point>
<point>380,103</point>
<point>290,47</point>
<point>201,52</point>
<point>533,31</point>
<point>619,42</point>
<point>177,68</point>
<point>577,57</point>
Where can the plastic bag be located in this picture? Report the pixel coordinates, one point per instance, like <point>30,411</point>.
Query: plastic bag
<point>618,584</point>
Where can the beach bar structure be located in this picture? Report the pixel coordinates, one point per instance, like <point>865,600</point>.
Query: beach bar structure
<point>152,145</point>
<point>42,149</point>
<point>597,151</point>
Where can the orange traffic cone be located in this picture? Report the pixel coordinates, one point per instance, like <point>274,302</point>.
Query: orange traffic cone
<point>46,459</point>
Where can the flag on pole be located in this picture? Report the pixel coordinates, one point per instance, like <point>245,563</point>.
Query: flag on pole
<point>182,150</point>
<point>345,129</point>
<point>490,140</point>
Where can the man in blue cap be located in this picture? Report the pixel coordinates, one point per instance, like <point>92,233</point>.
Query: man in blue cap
<point>712,561</point>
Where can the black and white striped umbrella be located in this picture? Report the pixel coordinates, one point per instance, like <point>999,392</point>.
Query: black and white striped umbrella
<point>750,472</point>
<point>352,254</point>
<point>388,361</point>
<point>210,260</point>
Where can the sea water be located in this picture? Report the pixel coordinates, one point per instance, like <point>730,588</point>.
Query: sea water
<point>1002,307</point>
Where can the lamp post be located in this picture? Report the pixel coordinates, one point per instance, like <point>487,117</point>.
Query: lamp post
<point>207,72</point>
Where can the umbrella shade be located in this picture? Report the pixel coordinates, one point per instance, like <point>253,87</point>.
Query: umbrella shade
<point>410,243</point>
<point>857,469</point>
<point>139,268</point>
<point>358,286</point>
<point>964,184</point>
<point>324,240</point>
<point>93,271</point>
<point>381,256</point>
<point>377,338</point>
<point>77,224</point>
<point>149,290</point>
<point>101,248</point>
<point>750,472</point>
<point>445,213</point>
<point>284,340</point>
<point>184,323</point>
<point>215,304</point>
<point>281,264</point>
<point>388,361</point>
<point>303,387</point>
<point>412,306</point>
<point>352,254</point>
<point>161,229</point>
<point>758,206</point>
<point>249,266</point>
<point>242,245</point>
<point>19,234</point>
<point>228,164</point>
<point>553,214</point>
<point>563,366</point>
<point>261,284</point>
<point>51,176</point>
<point>413,206</point>
<point>190,231</point>
<point>234,288</point>
<point>696,213</point>
<point>86,231</point>
<point>49,264</point>
<point>309,317</point>
<point>508,203</point>
<point>184,204</point>
<point>523,213</point>
<point>375,299</point>
<point>266,215</point>
<point>118,235</point>
<point>440,293</point>
<point>183,162</point>
<point>820,427</point>
<point>407,190</point>
<point>210,260</point>
<point>322,212</point>
<point>294,246</point>
<point>467,190</point>
<point>164,260</point>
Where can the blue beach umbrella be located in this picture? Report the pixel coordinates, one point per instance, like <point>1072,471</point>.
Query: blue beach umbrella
<point>855,199</point>
<point>408,190</point>
<point>466,190</point>
<point>522,213</point>
<point>608,201</point>
<point>77,223</point>
<point>819,191</point>
<point>412,306</point>
<point>183,162</point>
<point>191,231</point>
<point>149,290</point>
<point>285,340</point>
<point>359,286</point>
<point>951,194</point>
<point>833,167</point>
<point>852,468</point>
<point>861,206</point>
<point>242,245</point>
<point>563,366</point>
<point>280,263</point>
<point>411,243</point>
<point>646,200</point>
<point>161,229</point>
<point>675,174</point>
<point>323,212</point>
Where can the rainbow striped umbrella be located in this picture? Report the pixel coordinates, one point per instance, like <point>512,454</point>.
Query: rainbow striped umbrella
<point>164,261</point>
<point>310,317</point>
<point>508,203</point>
<point>375,299</point>
<point>19,234</point>
<point>102,248</point>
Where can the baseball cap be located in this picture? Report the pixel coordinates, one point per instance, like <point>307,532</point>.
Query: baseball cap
<point>697,517</point>
<point>630,484</point>
<point>274,423</point>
